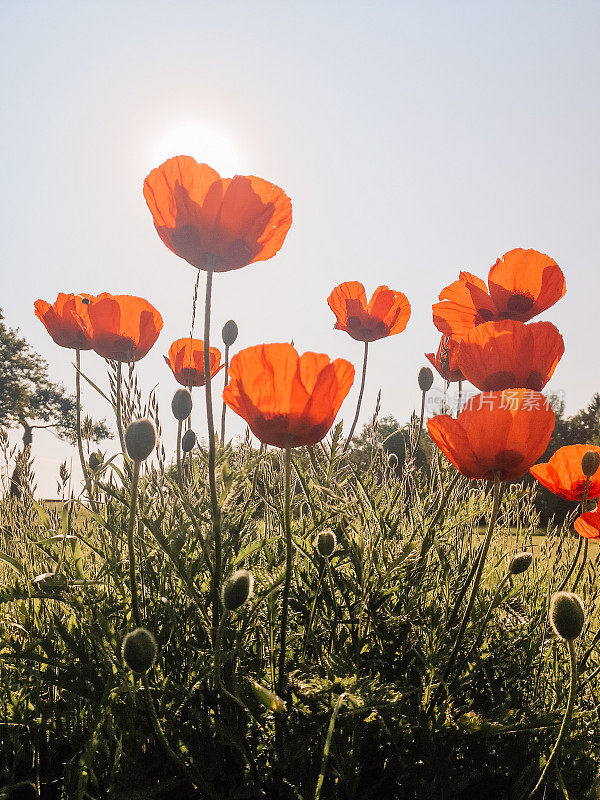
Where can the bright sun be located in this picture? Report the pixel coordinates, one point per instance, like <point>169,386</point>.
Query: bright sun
<point>206,143</point>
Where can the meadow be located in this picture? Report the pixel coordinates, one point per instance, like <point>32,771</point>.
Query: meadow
<point>291,616</point>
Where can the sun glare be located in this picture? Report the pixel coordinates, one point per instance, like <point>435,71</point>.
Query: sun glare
<point>204,142</point>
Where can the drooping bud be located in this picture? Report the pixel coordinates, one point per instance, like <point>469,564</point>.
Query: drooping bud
<point>267,698</point>
<point>181,404</point>
<point>188,441</point>
<point>326,543</point>
<point>95,461</point>
<point>140,439</point>
<point>590,462</point>
<point>229,333</point>
<point>139,650</point>
<point>567,615</point>
<point>425,379</point>
<point>520,563</point>
<point>237,589</point>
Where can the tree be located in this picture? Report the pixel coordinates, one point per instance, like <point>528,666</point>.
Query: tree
<point>30,399</point>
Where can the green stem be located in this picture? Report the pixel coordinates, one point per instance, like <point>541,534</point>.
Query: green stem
<point>132,577</point>
<point>224,409</point>
<point>179,472</point>
<point>215,511</point>
<point>360,397</point>
<point>582,567</point>
<point>485,621</point>
<point>565,580</point>
<point>566,719</point>
<point>86,476</point>
<point>430,532</point>
<point>287,456</point>
<point>327,747</point>
<point>118,410</point>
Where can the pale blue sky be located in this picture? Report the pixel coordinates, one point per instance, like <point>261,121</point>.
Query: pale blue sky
<point>415,140</point>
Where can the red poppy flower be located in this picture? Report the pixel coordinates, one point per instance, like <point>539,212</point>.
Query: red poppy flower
<point>446,360</point>
<point>387,312</point>
<point>563,474</point>
<point>508,354</point>
<point>288,400</point>
<point>496,432</point>
<point>522,284</point>
<point>61,321</point>
<point>216,223</point>
<point>588,525</point>
<point>122,327</point>
<point>186,359</point>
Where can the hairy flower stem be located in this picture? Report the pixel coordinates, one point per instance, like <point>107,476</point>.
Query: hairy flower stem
<point>420,429</point>
<point>224,409</point>
<point>565,580</point>
<point>478,574</point>
<point>215,510</point>
<point>179,471</point>
<point>86,475</point>
<point>566,719</point>
<point>430,532</point>
<point>135,610</point>
<point>287,460</point>
<point>582,567</point>
<point>459,401</point>
<point>118,411</point>
<point>360,397</point>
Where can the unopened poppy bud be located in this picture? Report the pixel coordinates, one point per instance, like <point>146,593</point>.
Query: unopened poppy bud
<point>139,650</point>
<point>188,440</point>
<point>95,461</point>
<point>590,462</point>
<point>425,379</point>
<point>520,563</point>
<point>229,333</point>
<point>140,439</point>
<point>237,589</point>
<point>326,543</point>
<point>267,698</point>
<point>181,404</point>
<point>567,615</point>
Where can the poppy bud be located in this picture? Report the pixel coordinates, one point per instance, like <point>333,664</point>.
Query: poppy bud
<point>188,440</point>
<point>326,543</point>
<point>95,461</point>
<point>140,439</point>
<point>139,650</point>
<point>267,698</point>
<point>567,615</point>
<point>237,589</point>
<point>520,563</point>
<point>229,333</point>
<point>590,462</point>
<point>181,404</point>
<point>425,379</point>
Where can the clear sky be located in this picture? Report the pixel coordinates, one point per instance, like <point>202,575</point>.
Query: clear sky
<point>415,140</point>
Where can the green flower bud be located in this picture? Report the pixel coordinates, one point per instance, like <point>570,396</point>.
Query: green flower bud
<point>590,462</point>
<point>229,333</point>
<point>520,563</point>
<point>139,650</point>
<point>267,698</point>
<point>237,589</point>
<point>567,615</point>
<point>326,543</point>
<point>188,440</point>
<point>95,461</point>
<point>140,439</point>
<point>181,404</point>
<point>425,379</point>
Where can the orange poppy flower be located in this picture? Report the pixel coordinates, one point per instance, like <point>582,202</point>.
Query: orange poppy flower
<point>496,432</point>
<point>61,321</point>
<point>122,327</point>
<point>522,284</point>
<point>508,354</point>
<point>446,360</point>
<point>186,359</point>
<point>563,474</point>
<point>212,222</point>
<point>386,313</point>
<point>588,525</point>
<point>288,400</point>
